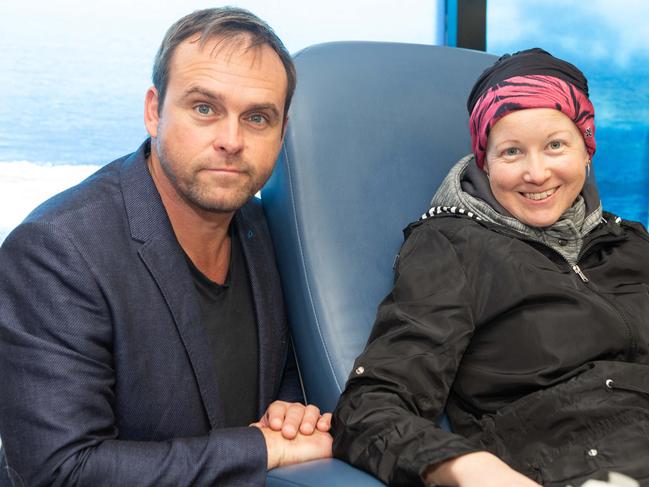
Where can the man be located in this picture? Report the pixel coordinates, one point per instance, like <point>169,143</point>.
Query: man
<point>141,319</point>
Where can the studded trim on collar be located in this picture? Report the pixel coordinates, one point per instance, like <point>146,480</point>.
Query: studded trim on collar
<point>436,210</point>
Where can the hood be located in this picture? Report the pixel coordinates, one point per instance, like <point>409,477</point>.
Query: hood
<point>466,191</point>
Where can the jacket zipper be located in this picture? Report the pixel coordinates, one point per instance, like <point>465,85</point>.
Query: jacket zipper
<point>577,270</point>
<point>579,273</point>
<point>631,336</point>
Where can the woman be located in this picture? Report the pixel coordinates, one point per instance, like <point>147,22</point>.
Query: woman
<point>519,308</point>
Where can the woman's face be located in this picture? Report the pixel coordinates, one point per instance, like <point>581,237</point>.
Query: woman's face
<point>536,161</point>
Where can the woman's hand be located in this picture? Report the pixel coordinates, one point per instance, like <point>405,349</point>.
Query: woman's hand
<point>479,469</point>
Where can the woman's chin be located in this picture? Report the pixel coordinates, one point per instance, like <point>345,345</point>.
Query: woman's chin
<point>538,218</point>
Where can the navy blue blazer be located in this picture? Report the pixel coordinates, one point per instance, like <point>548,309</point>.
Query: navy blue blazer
<point>106,375</point>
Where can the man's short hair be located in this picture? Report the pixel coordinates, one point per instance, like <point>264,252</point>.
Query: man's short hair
<point>226,23</point>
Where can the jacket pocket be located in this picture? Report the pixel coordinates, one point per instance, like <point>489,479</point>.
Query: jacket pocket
<point>578,427</point>
<point>621,446</point>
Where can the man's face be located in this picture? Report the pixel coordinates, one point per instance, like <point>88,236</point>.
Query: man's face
<point>220,128</point>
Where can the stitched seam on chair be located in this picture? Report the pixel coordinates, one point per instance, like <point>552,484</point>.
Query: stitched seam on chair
<point>304,269</point>
<point>299,371</point>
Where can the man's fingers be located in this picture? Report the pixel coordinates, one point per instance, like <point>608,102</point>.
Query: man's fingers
<point>324,423</point>
<point>292,420</point>
<point>310,419</point>
<point>275,415</point>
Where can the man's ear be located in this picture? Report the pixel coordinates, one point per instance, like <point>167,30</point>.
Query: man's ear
<point>151,115</point>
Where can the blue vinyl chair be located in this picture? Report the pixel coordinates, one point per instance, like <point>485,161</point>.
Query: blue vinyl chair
<point>374,128</point>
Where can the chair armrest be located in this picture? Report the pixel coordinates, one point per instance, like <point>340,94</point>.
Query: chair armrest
<point>321,473</point>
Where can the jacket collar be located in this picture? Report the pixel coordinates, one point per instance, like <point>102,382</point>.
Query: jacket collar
<point>466,187</point>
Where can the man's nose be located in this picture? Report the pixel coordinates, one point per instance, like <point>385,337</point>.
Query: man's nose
<point>229,136</point>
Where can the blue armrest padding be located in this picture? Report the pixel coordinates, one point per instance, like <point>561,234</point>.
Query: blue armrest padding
<point>320,473</point>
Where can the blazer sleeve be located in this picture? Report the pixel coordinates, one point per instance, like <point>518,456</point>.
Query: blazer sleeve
<point>56,387</point>
<point>386,420</point>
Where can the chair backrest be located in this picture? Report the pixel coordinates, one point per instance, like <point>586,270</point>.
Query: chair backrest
<point>373,129</point>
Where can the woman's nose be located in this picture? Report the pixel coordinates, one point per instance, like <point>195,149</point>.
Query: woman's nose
<point>536,170</point>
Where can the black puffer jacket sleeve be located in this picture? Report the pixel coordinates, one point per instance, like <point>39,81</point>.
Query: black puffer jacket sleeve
<point>385,421</point>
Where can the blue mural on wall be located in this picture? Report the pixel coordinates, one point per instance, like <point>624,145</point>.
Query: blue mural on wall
<point>609,42</point>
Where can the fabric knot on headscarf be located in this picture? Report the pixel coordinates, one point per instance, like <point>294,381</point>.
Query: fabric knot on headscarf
<point>529,79</point>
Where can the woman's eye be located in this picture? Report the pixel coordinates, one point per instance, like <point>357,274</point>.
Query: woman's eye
<point>555,145</point>
<point>203,109</point>
<point>512,151</point>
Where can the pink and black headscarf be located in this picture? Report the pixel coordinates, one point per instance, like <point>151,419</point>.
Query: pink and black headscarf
<point>529,79</point>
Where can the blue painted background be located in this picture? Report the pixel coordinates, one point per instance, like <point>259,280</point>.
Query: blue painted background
<point>609,42</point>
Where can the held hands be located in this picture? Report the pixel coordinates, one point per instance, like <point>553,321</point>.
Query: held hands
<point>295,433</point>
<point>289,418</point>
<point>479,469</point>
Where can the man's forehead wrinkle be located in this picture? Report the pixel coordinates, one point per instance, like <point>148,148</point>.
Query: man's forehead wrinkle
<point>207,70</point>
<point>246,68</point>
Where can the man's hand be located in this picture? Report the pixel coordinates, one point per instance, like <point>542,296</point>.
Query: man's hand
<point>291,418</point>
<point>302,448</point>
<point>479,469</point>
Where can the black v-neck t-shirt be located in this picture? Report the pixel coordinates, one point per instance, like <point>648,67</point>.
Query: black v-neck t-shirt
<point>229,318</point>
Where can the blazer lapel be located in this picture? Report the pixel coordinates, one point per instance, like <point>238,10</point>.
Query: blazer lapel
<point>266,291</point>
<point>161,253</point>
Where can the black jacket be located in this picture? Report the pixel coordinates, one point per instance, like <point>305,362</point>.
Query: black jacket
<point>545,365</point>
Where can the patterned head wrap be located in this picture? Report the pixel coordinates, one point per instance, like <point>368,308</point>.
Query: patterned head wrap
<point>529,79</point>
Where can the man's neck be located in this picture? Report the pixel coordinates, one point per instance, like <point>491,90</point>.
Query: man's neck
<point>203,235</point>
<point>205,241</point>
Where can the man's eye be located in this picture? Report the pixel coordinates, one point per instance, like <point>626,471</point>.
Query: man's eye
<point>203,109</point>
<point>257,118</point>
